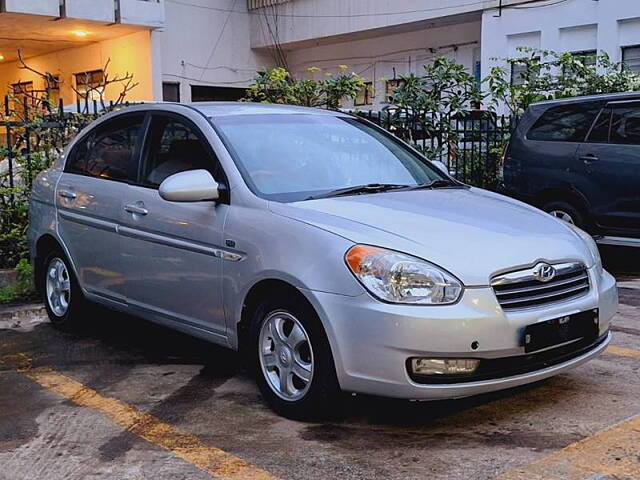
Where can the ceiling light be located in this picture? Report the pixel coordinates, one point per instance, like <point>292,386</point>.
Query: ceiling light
<point>1,57</point>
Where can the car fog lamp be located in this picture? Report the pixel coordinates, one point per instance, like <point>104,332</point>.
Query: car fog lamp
<point>443,366</point>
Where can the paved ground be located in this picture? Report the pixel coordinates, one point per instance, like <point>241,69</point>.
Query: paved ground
<point>129,400</point>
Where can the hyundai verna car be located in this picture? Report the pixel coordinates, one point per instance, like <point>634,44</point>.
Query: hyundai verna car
<point>328,252</point>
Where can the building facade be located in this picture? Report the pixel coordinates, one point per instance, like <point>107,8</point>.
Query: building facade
<point>192,50</point>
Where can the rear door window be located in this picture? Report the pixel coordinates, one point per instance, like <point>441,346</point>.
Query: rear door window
<point>625,125</point>
<point>600,131</point>
<point>565,123</point>
<point>109,151</point>
<point>175,146</point>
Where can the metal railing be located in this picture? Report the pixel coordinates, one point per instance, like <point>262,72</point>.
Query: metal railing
<point>471,147</point>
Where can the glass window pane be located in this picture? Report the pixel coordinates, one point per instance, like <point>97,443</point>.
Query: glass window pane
<point>109,151</point>
<point>625,126</point>
<point>171,92</point>
<point>631,58</point>
<point>291,157</point>
<point>175,147</point>
<point>565,123</point>
<point>600,131</point>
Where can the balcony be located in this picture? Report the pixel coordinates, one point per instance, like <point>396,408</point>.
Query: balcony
<point>148,13</point>
<point>95,10</point>
<point>49,8</point>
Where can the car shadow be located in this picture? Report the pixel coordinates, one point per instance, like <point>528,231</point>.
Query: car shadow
<point>116,339</point>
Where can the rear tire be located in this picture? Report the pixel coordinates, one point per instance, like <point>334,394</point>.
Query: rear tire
<point>291,358</point>
<point>62,296</point>
<point>565,211</point>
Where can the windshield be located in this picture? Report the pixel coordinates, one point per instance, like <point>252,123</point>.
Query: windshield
<point>291,157</point>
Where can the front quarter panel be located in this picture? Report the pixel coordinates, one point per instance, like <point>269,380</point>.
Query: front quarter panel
<point>280,248</point>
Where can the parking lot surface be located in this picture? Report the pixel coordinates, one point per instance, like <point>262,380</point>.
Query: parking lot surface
<point>129,400</point>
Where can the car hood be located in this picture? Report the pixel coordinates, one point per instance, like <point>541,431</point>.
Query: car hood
<point>472,233</point>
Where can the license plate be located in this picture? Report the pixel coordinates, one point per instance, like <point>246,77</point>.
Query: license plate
<point>583,325</point>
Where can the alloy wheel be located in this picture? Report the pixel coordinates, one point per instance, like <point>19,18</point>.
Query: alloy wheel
<point>58,287</point>
<point>562,215</point>
<point>286,356</point>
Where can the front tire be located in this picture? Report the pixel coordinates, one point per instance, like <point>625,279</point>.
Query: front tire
<point>62,296</point>
<point>565,211</point>
<point>292,359</point>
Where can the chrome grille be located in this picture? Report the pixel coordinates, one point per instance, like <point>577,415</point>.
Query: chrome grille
<point>524,288</point>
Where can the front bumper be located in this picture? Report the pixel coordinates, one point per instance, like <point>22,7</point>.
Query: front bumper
<point>371,341</point>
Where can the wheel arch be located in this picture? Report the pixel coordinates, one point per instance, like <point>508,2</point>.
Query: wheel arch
<point>266,288</point>
<point>569,195</point>
<point>46,243</point>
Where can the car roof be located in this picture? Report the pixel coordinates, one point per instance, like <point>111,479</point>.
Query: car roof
<point>604,97</point>
<point>220,109</point>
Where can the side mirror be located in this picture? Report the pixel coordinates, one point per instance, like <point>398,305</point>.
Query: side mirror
<point>190,186</point>
<point>441,166</point>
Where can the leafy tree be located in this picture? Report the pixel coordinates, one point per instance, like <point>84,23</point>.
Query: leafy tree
<point>548,75</point>
<point>427,105</point>
<point>278,86</point>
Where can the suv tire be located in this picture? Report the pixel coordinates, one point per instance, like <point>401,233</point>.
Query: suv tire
<point>565,211</point>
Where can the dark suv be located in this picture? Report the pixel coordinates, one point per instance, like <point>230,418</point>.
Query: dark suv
<point>579,159</point>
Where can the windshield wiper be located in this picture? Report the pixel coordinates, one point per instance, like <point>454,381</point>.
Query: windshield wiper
<point>359,189</point>
<point>440,183</point>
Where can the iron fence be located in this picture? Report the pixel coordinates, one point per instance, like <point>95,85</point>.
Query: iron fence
<point>471,146</point>
<point>32,135</point>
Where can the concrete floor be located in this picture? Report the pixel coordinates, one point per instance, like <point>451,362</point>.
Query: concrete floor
<point>196,388</point>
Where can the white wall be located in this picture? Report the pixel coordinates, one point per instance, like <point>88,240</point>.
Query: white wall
<point>188,51</point>
<point>376,58</point>
<point>575,25</point>
<point>300,22</point>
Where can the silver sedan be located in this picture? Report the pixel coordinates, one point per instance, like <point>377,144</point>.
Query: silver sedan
<point>331,254</point>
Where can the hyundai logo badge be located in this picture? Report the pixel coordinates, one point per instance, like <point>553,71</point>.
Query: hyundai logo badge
<point>544,272</point>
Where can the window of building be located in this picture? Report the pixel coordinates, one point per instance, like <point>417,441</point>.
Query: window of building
<point>23,91</point>
<point>171,92</point>
<point>565,123</point>
<point>587,58</point>
<point>365,95</point>
<point>109,151</point>
<point>519,73</point>
<point>53,90</point>
<point>631,58</point>
<point>175,147</point>
<point>86,82</point>
<point>390,87</point>
<point>625,125</point>
<point>203,93</point>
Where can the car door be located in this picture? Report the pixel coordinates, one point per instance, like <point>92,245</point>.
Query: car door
<point>610,164</point>
<point>172,268</point>
<point>89,200</point>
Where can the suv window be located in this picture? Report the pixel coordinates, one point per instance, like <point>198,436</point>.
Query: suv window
<point>600,131</point>
<point>109,150</point>
<point>174,147</point>
<point>565,123</point>
<point>625,125</point>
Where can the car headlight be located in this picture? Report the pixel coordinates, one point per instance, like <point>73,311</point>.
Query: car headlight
<point>591,244</point>
<point>398,278</point>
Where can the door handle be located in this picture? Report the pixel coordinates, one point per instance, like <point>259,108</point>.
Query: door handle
<point>590,157</point>
<point>136,209</point>
<point>67,194</point>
